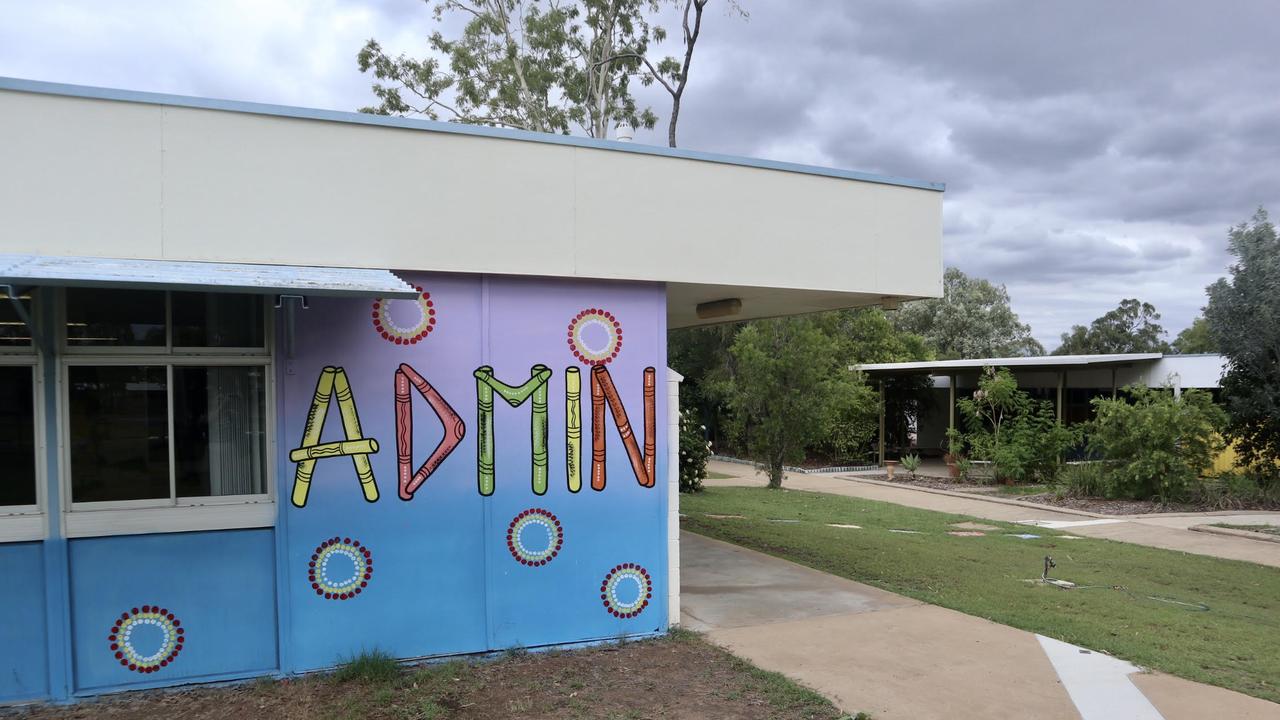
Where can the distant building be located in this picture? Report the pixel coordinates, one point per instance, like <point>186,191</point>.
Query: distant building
<point>1069,381</point>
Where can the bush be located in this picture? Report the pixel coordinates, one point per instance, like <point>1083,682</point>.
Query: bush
<point>1082,479</point>
<point>694,451</point>
<point>1156,446</point>
<point>911,463</point>
<point>1020,437</point>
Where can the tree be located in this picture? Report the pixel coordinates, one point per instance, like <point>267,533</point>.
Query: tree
<point>673,74</point>
<point>1130,328</point>
<point>788,384</point>
<point>973,319</point>
<point>529,64</point>
<point>1244,319</point>
<point>1196,338</point>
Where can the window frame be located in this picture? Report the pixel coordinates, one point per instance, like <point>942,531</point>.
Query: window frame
<point>22,523</point>
<point>171,513</point>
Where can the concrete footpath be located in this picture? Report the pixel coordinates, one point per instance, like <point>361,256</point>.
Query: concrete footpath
<point>894,657</point>
<point>1171,532</point>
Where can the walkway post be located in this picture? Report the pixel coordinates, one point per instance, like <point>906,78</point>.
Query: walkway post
<point>881,443</point>
<point>951,406</point>
<point>1062,384</point>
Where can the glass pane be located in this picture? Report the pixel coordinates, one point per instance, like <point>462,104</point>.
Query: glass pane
<point>119,433</point>
<point>219,430</point>
<point>217,320</point>
<point>14,332</point>
<point>119,318</point>
<point>17,437</point>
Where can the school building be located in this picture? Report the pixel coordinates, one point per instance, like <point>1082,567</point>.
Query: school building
<point>281,385</point>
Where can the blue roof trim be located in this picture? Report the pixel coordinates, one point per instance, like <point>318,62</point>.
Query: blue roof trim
<point>150,98</point>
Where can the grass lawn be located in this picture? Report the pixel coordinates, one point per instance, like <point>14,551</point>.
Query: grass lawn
<point>1142,604</point>
<point>677,676</point>
<point>1268,529</point>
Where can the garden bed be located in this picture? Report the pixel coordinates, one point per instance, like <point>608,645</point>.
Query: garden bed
<point>678,676</point>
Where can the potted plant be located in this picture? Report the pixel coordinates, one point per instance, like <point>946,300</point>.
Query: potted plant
<point>889,466</point>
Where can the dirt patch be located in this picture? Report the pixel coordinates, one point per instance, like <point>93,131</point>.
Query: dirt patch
<point>676,677</point>
<point>935,483</point>
<point>1112,507</point>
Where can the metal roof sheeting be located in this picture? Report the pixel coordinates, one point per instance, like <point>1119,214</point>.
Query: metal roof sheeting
<point>1042,361</point>
<point>201,276</point>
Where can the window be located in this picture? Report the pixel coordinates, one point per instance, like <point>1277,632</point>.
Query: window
<point>166,398</point>
<point>18,482</point>
<point>13,331</point>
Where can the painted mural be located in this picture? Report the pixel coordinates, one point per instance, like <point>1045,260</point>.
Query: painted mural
<point>474,469</point>
<point>488,541</point>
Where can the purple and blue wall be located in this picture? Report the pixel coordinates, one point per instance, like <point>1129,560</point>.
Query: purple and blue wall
<point>449,570</point>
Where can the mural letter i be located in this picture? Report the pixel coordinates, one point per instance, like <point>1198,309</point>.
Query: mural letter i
<point>454,430</point>
<point>333,383</point>
<point>536,388</point>
<point>573,428</point>
<point>603,392</point>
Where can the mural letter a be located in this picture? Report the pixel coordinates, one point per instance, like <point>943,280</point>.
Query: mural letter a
<point>333,383</point>
<point>454,430</point>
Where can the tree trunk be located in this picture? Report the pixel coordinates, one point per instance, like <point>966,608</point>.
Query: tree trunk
<point>775,474</point>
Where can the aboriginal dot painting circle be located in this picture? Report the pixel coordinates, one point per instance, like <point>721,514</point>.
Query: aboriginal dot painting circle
<point>595,336</point>
<point>534,537</point>
<point>626,590</point>
<point>405,322</point>
<point>146,639</point>
<point>340,568</point>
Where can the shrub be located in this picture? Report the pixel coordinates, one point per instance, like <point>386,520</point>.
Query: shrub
<point>1020,437</point>
<point>694,451</point>
<point>1156,446</point>
<point>1082,479</point>
<point>373,666</point>
<point>911,463</point>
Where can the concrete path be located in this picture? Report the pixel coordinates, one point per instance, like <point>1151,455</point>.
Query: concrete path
<point>894,657</point>
<point>1170,533</point>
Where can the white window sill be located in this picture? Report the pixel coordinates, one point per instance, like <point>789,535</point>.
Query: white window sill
<point>145,521</point>
<point>21,528</point>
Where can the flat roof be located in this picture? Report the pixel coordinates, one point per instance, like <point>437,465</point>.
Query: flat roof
<point>1025,363</point>
<point>150,98</point>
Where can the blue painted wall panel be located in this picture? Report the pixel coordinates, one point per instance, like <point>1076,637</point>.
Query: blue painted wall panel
<point>24,660</point>
<point>219,587</point>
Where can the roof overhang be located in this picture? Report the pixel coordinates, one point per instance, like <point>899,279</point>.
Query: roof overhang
<point>123,174</point>
<point>1038,363</point>
<point>35,270</point>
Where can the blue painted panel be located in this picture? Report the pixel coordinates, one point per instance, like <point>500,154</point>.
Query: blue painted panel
<point>219,587</point>
<point>443,578</point>
<point>622,525</point>
<point>426,593</point>
<point>24,662</point>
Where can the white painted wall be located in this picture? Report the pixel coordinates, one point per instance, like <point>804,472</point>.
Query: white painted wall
<point>673,497</point>
<point>99,177</point>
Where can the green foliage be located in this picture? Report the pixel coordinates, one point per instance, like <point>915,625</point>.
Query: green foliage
<point>703,356</point>
<point>911,463</point>
<point>529,64</point>
<point>1130,328</point>
<point>1019,436</point>
<point>788,384</point>
<point>694,451</point>
<point>973,319</point>
<point>372,666</point>
<point>1155,445</point>
<point>1196,338</point>
<point>1244,319</point>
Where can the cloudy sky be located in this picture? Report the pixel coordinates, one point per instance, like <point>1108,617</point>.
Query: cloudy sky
<point>1093,150</point>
